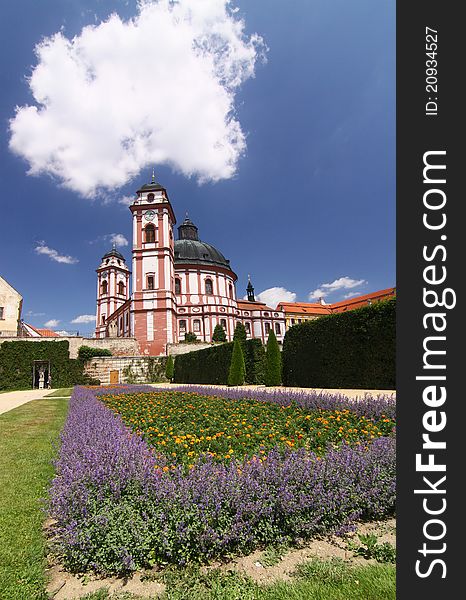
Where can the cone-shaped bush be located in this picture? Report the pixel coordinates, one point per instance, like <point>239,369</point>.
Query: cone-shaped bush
<point>273,361</point>
<point>240,334</point>
<point>237,366</point>
<point>170,368</point>
<point>219,334</point>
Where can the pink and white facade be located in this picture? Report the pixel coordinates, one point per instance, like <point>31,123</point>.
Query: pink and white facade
<point>178,286</point>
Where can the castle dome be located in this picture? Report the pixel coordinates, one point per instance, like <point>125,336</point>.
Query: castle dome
<point>189,249</point>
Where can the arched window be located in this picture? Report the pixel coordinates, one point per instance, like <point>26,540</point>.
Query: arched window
<point>177,286</point>
<point>104,287</point>
<point>149,234</point>
<point>208,286</point>
<point>196,326</point>
<point>121,288</point>
<point>278,329</point>
<point>230,290</point>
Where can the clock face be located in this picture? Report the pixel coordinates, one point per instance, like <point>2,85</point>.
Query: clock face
<point>149,215</point>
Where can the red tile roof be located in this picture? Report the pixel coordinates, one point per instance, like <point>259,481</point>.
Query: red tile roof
<point>359,301</point>
<point>43,332</point>
<point>47,333</point>
<point>312,308</point>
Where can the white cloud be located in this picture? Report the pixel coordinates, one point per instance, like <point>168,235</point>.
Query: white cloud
<point>41,248</point>
<point>343,283</point>
<point>118,239</point>
<point>350,295</point>
<point>52,323</point>
<point>31,313</point>
<point>126,200</point>
<point>64,333</point>
<point>84,319</point>
<point>275,295</point>
<point>125,95</point>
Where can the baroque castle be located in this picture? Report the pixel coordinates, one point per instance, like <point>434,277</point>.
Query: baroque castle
<point>176,286</point>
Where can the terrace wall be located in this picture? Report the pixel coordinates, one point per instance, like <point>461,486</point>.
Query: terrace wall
<point>130,369</point>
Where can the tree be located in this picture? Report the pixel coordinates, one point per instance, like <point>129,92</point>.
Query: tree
<point>170,368</point>
<point>219,334</point>
<point>190,337</point>
<point>273,361</point>
<point>240,334</point>
<point>237,367</point>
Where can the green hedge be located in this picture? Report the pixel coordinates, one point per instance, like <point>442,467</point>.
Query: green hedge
<point>355,349</point>
<point>87,352</point>
<point>16,364</point>
<point>212,365</point>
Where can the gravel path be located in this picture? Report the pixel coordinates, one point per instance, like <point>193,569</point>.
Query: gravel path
<point>10,400</point>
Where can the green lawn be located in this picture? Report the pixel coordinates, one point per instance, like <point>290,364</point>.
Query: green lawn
<point>25,471</point>
<point>61,393</point>
<point>315,580</point>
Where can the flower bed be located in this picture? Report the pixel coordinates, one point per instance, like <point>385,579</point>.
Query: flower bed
<point>185,426</point>
<point>118,507</point>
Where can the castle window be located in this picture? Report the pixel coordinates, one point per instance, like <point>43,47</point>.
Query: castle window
<point>121,288</point>
<point>223,323</point>
<point>2,310</point>
<point>267,328</point>
<point>150,282</point>
<point>208,286</point>
<point>196,325</point>
<point>127,319</point>
<point>177,286</point>
<point>103,319</point>
<point>182,326</point>
<point>278,330</point>
<point>230,290</point>
<point>149,234</point>
<point>247,326</point>
<point>121,323</point>
<point>104,288</point>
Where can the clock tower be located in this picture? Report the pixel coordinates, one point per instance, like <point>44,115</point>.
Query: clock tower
<point>153,299</point>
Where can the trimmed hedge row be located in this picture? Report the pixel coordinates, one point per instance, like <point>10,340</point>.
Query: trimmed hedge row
<point>16,364</point>
<point>212,365</point>
<point>355,349</point>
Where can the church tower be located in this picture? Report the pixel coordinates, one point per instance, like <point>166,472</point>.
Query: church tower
<point>153,298</point>
<point>250,291</point>
<point>112,288</point>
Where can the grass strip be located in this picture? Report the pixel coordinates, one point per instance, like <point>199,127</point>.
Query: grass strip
<point>61,393</point>
<point>26,452</point>
<point>315,580</point>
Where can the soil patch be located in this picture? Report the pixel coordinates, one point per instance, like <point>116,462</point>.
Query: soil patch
<point>65,586</point>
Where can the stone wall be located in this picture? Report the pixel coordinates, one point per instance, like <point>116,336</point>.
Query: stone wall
<point>127,369</point>
<point>117,346</point>
<point>184,347</point>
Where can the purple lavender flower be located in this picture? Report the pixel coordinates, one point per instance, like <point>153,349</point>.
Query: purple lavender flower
<point>117,509</point>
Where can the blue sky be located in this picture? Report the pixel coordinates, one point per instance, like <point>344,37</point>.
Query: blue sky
<point>305,201</point>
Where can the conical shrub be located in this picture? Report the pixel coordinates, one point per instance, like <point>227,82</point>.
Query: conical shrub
<point>237,366</point>
<point>170,368</point>
<point>219,334</point>
<point>273,361</point>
